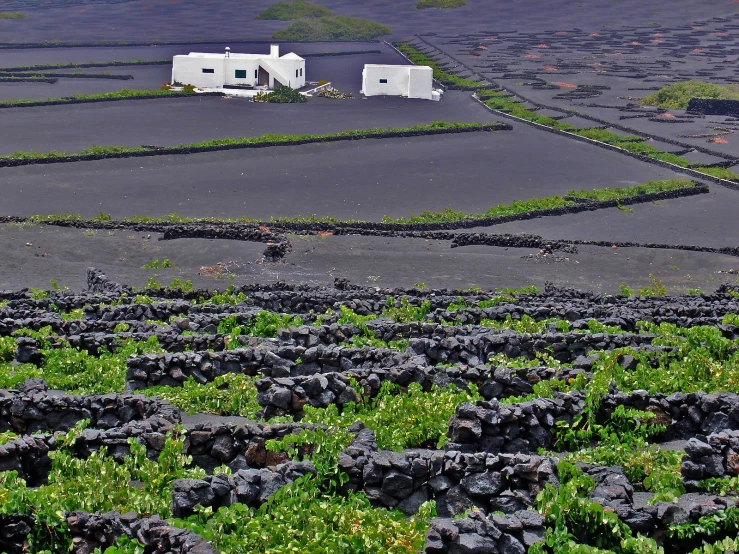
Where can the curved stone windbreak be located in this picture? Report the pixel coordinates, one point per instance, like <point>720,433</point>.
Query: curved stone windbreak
<point>247,486</point>
<point>239,446</point>
<point>712,456</point>
<point>511,534</point>
<point>91,531</point>
<point>268,359</point>
<point>14,531</point>
<point>457,481</point>
<point>212,444</point>
<point>28,454</point>
<point>526,426</point>
<point>41,410</point>
<point>711,106</point>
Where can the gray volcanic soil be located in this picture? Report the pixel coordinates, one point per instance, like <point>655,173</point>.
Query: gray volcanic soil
<point>173,121</point>
<point>158,20</point>
<point>349,180</point>
<point>705,220</point>
<point>622,64</point>
<point>371,178</point>
<point>64,255</point>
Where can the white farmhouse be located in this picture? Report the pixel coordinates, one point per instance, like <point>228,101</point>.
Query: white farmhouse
<point>410,81</point>
<point>205,70</point>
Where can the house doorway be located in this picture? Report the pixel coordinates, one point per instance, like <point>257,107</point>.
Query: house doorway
<point>263,78</point>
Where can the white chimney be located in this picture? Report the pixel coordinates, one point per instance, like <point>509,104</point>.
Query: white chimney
<point>274,50</point>
<point>228,52</point>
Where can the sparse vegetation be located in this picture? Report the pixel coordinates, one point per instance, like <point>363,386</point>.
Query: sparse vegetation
<point>605,194</point>
<point>677,95</point>
<point>281,95</point>
<point>424,4</point>
<point>124,94</point>
<point>12,15</point>
<point>284,11</point>
<point>333,28</point>
<point>246,142</point>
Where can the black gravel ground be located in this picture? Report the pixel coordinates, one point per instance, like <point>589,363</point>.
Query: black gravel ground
<point>624,63</point>
<point>348,180</point>
<point>64,254</point>
<point>371,178</point>
<point>706,220</point>
<point>174,121</point>
<point>162,20</point>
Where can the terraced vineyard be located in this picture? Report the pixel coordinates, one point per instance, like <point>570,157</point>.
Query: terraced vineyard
<point>298,419</point>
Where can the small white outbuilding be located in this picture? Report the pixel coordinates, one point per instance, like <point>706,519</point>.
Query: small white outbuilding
<point>206,70</point>
<point>410,81</point>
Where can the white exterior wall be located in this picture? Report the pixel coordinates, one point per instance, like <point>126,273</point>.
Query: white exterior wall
<point>397,78</point>
<point>421,82</point>
<point>402,80</point>
<point>188,70</point>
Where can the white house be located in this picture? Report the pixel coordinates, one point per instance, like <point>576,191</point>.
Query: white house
<point>205,70</point>
<point>410,81</point>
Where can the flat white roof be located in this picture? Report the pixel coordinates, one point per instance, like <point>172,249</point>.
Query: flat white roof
<point>396,65</point>
<point>220,56</point>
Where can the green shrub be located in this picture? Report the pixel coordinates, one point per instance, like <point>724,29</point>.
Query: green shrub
<point>604,194</point>
<point>425,415</point>
<point>444,77</point>
<point>12,15</point>
<point>284,11</point>
<point>301,517</point>
<point>576,524</point>
<point>77,371</point>
<point>332,28</point>
<point>95,484</point>
<point>7,349</point>
<point>229,394</point>
<point>123,94</point>
<point>285,95</point>
<point>423,4</point>
<point>677,96</point>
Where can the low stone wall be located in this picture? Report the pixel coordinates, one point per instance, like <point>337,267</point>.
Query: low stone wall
<point>237,446</point>
<point>41,410</point>
<point>29,454</point>
<point>711,106</point>
<point>268,359</point>
<point>14,531</point>
<point>509,534</point>
<point>614,491</point>
<point>525,427</point>
<point>92,531</point>
<point>288,395</point>
<point>456,480</point>
<point>247,486</point>
<point>478,346</point>
<point>716,455</point>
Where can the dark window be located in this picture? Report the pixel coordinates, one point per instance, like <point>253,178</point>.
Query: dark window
<point>240,74</point>
<point>256,73</point>
<point>205,70</point>
<point>384,81</point>
<point>296,72</point>
<point>301,71</point>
